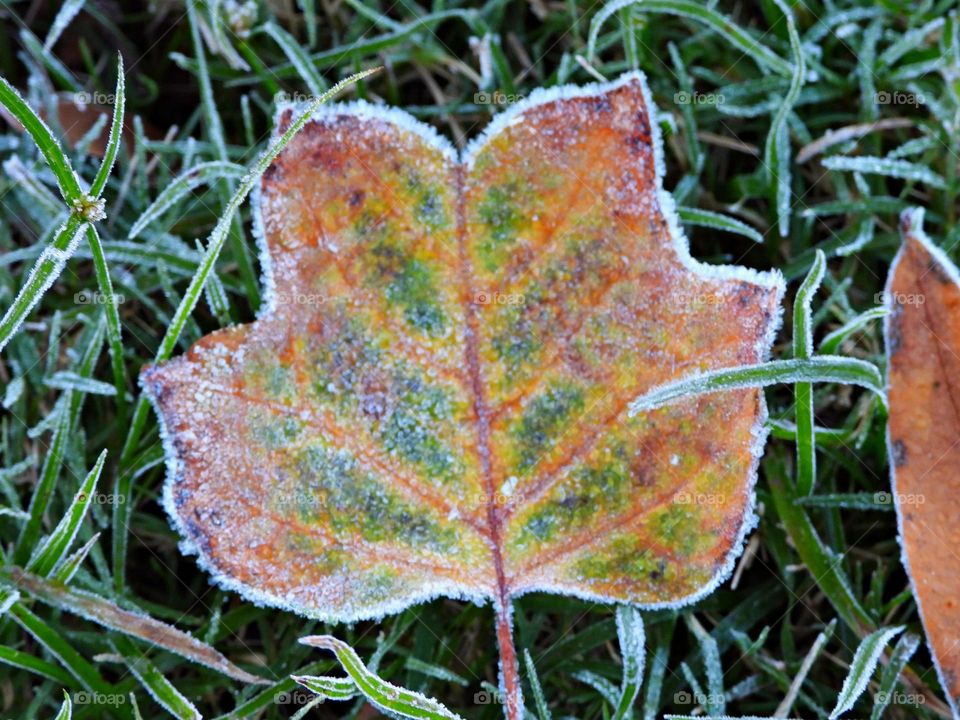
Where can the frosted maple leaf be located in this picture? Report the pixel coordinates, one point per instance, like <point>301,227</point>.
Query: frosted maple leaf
<point>434,400</point>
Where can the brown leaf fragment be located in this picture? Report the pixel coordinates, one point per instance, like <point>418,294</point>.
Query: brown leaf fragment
<point>923,350</point>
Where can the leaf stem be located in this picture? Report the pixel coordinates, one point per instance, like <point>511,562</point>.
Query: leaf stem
<point>509,665</point>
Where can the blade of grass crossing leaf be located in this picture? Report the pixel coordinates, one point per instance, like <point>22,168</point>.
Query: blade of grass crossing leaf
<point>153,681</point>
<point>632,652</point>
<point>45,486</point>
<point>823,368</point>
<point>718,221</point>
<point>704,14</point>
<point>803,391</point>
<point>185,308</point>
<point>55,549</point>
<point>384,695</point>
<point>777,148</point>
<point>861,669</point>
<point>783,709</point>
<point>215,244</point>
<point>902,652</point>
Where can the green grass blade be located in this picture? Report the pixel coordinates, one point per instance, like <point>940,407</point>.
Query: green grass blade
<point>902,652</point>
<point>55,644</point>
<point>776,153</point>
<point>116,134</point>
<point>803,391</point>
<point>66,709</point>
<point>329,688</point>
<point>143,627</point>
<point>153,681</point>
<point>40,133</point>
<point>379,692</point>
<point>112,314</point>
<point>832,340</point>
<point>35,665</point>
<point>45,485</point>
<point>297,57</point>
<point>55,549</point>
<point>42,275</point>
<point>722,25</point>
<point>201,174</point>
<point>632,651</point>
<point>861,669</point>
<point>718,221</point>
<point>823,368</point>
<point>899,169</point>
<point>540,702</point>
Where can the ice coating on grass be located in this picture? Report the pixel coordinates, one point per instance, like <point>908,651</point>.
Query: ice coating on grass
<point>433,400</point>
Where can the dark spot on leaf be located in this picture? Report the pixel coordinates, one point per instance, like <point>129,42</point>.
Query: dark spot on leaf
<point>899,453</point>
<point>658,573</point>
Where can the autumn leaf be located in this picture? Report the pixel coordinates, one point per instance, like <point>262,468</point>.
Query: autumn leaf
<point>435,401</point>
<point>923,348</point>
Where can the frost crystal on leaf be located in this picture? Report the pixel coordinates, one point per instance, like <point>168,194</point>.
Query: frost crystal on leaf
<point>435,399</point>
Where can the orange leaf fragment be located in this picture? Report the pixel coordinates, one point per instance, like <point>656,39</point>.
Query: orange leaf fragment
<point>923,349</point>
<point>434,401</point>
